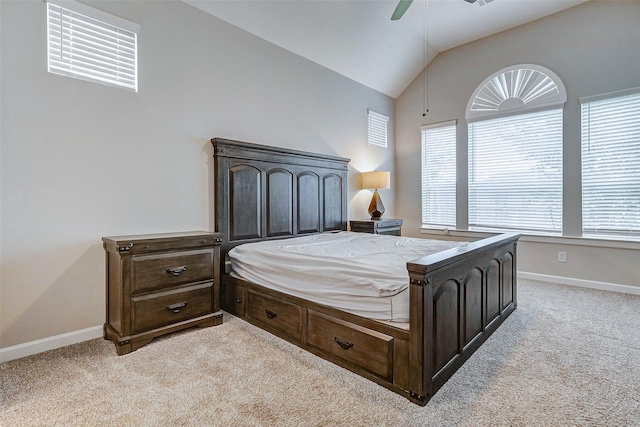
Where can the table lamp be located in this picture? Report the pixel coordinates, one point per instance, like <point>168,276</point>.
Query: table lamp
<point>376,180</point>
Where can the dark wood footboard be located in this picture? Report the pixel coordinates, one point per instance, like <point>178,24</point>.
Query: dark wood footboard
<point>458,298</point>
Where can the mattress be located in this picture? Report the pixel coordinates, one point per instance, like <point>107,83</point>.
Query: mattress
<point>360,273</point>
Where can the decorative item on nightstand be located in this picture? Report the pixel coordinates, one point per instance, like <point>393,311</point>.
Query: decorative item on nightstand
<point>376,180</point>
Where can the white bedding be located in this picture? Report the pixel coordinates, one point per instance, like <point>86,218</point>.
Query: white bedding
<point>360,273</point>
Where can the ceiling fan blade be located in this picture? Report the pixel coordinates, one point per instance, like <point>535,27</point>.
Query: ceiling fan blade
<point>401,8</point>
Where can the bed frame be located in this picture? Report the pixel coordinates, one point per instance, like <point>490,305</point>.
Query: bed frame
<point>458,297</point>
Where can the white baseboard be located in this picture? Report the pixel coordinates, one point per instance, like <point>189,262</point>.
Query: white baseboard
<point>49,343</point>
<point>603,286</point>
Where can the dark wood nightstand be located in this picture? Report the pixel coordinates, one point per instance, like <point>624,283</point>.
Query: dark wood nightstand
<point>160,283</point>
<point>391,227</point>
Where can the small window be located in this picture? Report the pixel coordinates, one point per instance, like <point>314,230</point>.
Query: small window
<point>92,45</point>
<point>611,164</point>
<point>378,129</point>
<point>439,175</point>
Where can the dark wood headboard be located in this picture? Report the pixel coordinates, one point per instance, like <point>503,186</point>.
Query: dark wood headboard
<point>267,192</point>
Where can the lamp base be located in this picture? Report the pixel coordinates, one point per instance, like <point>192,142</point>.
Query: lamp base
<point>376,208</point>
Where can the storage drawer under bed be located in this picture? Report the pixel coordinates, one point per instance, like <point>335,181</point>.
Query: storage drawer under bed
<point>275,313</point>
<point>366,348</point>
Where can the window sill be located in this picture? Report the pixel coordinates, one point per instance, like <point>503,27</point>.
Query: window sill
<point>538,238</point>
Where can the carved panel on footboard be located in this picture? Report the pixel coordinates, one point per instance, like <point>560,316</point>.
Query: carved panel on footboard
<point>467,293</point>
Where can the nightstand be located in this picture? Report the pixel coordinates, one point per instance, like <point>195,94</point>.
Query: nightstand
<point>391,227</point>
<point>160,283</point>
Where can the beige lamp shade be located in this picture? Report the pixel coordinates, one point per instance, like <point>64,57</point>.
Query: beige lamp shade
<point>376,180</point>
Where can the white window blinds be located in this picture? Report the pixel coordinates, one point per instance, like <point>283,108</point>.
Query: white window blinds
<point>515,172</point>
<point>377,128</point>
<point>89,44</point>
<point>439,175</point>
<point>611,165</point>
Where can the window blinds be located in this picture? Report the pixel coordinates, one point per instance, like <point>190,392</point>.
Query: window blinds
<point>611,165</point>
<point>515,172</point>
<point>377,129</point>
<point>439,175</point>
<point>92,45</point>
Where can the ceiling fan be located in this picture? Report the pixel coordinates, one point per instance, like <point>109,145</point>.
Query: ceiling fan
<point>403,5</point>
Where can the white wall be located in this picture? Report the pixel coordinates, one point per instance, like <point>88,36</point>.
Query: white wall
<point>80,160</point>
<point>594,48</point>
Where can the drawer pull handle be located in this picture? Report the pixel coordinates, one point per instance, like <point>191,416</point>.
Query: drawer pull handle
<point>177,307</point>
<point>176,271</point>
<point>239,300</point>
<point>343,343</point>
<point>270,314</point>
<point>126,248</point>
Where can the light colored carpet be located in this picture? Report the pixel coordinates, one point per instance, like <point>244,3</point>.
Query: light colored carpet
<point>566,356</point>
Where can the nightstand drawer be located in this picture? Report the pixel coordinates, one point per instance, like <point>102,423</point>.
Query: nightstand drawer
<point>164,308</point>
<point>150,243</point>
<point>392,223</point>
<point>171,269</point>
<point>275,313</point>
<point>392,227</point>
<point>389,231</point>
<point>187,243</point>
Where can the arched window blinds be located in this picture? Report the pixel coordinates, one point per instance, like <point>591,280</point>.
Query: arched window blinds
<point>515,89</point>
<point>515,151</point>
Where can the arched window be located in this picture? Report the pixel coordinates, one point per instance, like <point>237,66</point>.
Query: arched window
<point>515,150</point>
<point>517,88</point>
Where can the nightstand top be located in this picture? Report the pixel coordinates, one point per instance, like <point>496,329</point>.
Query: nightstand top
<point>160,236</point>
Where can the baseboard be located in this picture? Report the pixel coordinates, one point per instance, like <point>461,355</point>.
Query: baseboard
<point>603,286</point>
<point>49,343</point>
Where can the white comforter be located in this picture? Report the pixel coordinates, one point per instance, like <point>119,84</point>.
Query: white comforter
<point>356,272</point>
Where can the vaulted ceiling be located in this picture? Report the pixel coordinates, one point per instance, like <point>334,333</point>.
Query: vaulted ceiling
<point>359,40</point>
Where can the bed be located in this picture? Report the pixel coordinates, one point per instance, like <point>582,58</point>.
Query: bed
<point>457,297</point>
